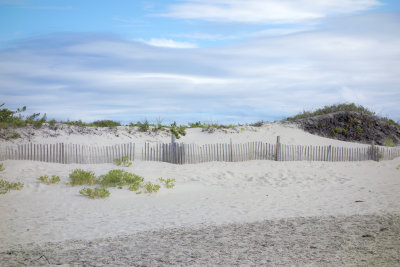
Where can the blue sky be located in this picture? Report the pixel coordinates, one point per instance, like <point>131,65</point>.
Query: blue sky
<point>216,61</point>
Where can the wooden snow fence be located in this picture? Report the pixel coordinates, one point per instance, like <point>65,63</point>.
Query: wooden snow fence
<point>67,153</point>
<point>180,153</point>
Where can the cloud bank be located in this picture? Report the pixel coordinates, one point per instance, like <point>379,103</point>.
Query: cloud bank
<point>100,76</point>
<point>266,11</point>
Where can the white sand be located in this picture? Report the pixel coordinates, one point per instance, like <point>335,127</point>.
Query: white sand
<point>208,194</point>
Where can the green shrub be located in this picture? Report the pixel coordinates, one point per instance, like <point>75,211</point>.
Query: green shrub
<point>6,186</point>
<point>344,131</point>
<point>169,183</point>
<point>124,162</point>
<point>1,167</point>
<point>332,109</point>
<point>150,188</point>
<point>53,180</point>
<point>105,123</point>
<point>359,129</point>
<point>143,127</point>
<point>120,178</point>
<point>389,142</point>
<point>95,193</point>
<point>81,177</point>
<point>178,131</point>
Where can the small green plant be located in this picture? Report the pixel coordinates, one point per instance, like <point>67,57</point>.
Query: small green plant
<point>81,177</point>
<point>53,180</point>
<point>150,188</point>
<point>1,167</point>
<point>242,129</point>
<point>124,162</point>
<point>95,193</point>
<point>105,123</point>
<point>178,131</point>
<point>169,183</point>
<point>389,142</point>
<point>6,186</point>
<point>359,129</point>
<point>143,126</point>
<point>344,131</point>
<point>398,167</point>
<point>334,132</point>
<point>120,178</point>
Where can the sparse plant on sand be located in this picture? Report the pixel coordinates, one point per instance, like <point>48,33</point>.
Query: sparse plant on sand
<point>124,162</point>
<point>178,131</point>
<point>53,180</point>
<point>169,183</point>
<point>398,167</point>
<point>6,186</point>
<point>81,177</point>
<point>1,167</point>
<point>150,187</point>
<point>95,193</point>
<point>143,126</point>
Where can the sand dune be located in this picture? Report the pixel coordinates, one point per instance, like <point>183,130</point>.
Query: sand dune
<point>206,195</point>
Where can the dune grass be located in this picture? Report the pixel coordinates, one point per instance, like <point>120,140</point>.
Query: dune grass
<point>1,167</point>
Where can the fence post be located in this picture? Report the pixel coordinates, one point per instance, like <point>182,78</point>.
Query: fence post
<point>373,152</point>
<point>173,148</point>
<point>278,148</point>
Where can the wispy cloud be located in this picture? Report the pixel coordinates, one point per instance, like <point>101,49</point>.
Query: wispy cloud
<point>81,76</point>
<point>265,11</point>
<point>160,42</point>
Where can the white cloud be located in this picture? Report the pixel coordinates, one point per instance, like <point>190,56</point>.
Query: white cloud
<point>256,79</point>
<point>168,43</point>
<point>266,11</point>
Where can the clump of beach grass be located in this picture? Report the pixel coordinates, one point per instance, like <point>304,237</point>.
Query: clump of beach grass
<point>53,180</point>
<point>81,177</point>
<point>6,186</point>
<point>95,193</point>
<point>1,167</point>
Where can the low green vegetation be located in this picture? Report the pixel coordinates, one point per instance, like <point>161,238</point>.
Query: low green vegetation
<point>53,180</point>
<point>389,142</point>
<point>119,178</point>
<point>114,178</point>
<point>151,188</point>
<point>398,167</point>
<point>332,109</point>
<point>124,162</point>
<point>95,193</point>
<point>178,131</point>
<point>6,186</point>
<point>81,177</point>
<point>1,167</point>
<point>169,183</point>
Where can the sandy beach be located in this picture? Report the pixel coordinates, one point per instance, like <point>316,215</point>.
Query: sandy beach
<point>219,213</point>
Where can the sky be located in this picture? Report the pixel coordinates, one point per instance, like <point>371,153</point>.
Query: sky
<point>215,61</point>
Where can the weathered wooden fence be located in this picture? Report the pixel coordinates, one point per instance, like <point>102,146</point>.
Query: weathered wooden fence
<point>67,153</point>
<point>180,153</point>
